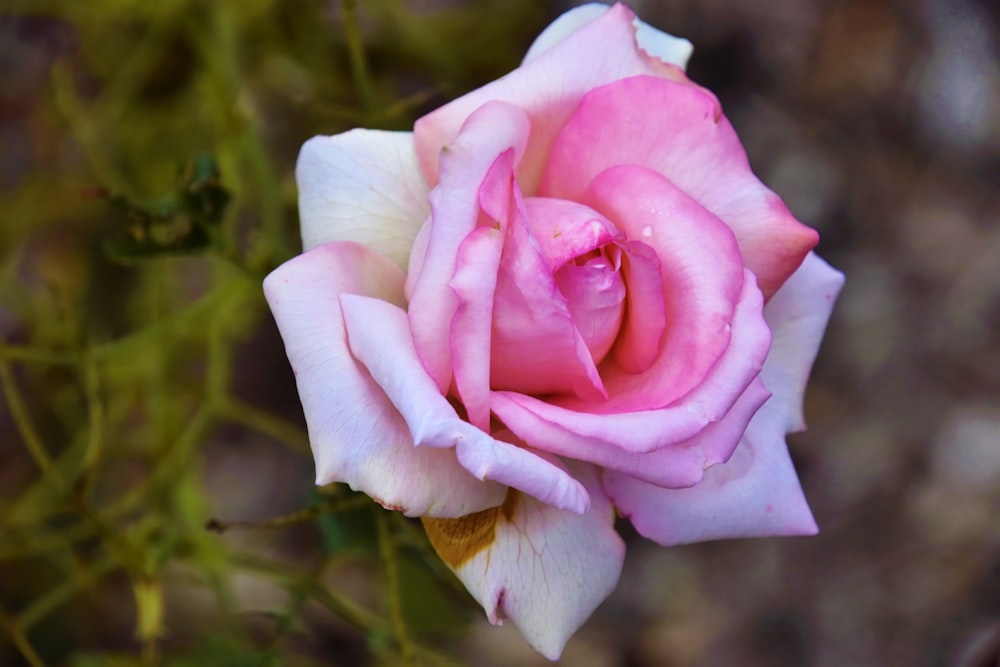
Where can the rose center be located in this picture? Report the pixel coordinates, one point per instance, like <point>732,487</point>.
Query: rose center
<point>595,293</point>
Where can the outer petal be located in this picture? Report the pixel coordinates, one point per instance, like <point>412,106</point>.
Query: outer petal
<point>666,47</point>
<point>494,128</point>
<point>363,186</point>
<point>669,49</point>
<point>798,314</point>
<point>683,465</point>
<point>380,339</point>
<point>691,143</point>
<point>548,88</point>
<point>582,435</point>
<point>356,434</point>
<point>544,569</point>
<point>754,494</point>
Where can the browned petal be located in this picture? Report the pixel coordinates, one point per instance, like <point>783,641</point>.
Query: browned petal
<point>458,540</point>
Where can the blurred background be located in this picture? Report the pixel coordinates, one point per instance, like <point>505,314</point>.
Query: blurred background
<point>156,493</point>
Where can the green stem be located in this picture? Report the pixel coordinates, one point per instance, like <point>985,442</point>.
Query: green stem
<point>356,54</point>
<point>22,420</point>
<point>20,640</point>
<point>46,604</point>
<point>290,519</point>
<point>95,412</point>
<point>387,552</point>
<point>26,354</point>
<point>347,610</point>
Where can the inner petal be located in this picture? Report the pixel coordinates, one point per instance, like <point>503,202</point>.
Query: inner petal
<point>565,231</point>
<point>595,292</point>
<point>536,347</point>
<point>645,315</point>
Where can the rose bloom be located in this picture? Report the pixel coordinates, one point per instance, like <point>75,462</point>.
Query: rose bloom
<point>563,297</point>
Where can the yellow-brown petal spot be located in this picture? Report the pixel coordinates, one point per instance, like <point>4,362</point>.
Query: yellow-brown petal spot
<point>458,540</point>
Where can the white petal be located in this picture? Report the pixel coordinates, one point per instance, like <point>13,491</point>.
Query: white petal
<point>666,47</point>
<point>357,436</point>
<point>564,26</point>
<point>797,315</point>
<point>546,569</point>
<point>363,186</point>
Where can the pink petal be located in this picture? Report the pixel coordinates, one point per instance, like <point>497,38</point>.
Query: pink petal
<point>379,337</point>
<point>548,88</point>
<point>573,239</point>
<point>363,186</point>
<point>595,294</point>
<point>417,253</point>
<point>455,204</point>
<point>547,570</point>
<point>357,436</point>
<point>701,273</point>
<point>564,230</point>
<point>583,435</point>
<point>638,345</point>
<point>536,347</point>
<point>798,314</point>
<point>475,283</point>
<point>683,465</point>
<point>754,494</point>
<point>693,145</point>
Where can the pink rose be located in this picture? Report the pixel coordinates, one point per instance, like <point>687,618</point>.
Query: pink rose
<point>563,294</point>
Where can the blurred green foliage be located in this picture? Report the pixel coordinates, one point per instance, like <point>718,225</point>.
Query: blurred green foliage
<point>148,188</point>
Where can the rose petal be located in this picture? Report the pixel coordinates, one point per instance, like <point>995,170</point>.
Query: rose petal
<point>692,144</point>
<point>595,294</point>
<point>754,494</point>
<point>550,427</point>
<point>565,230</point>
<point>356,434</point>
<point>548,88</point>
<point>702,275</point>
<point>666,47</point>
<point>646,314</point>
<point>455,204</point>
<point>363,186</point>
<point>544,569</point>
<point>683,465</point>
<point>417,253</point>
<point>475,283</point>
<point>798,314</point>
<point>536,347</point>
<point>379,338</point>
